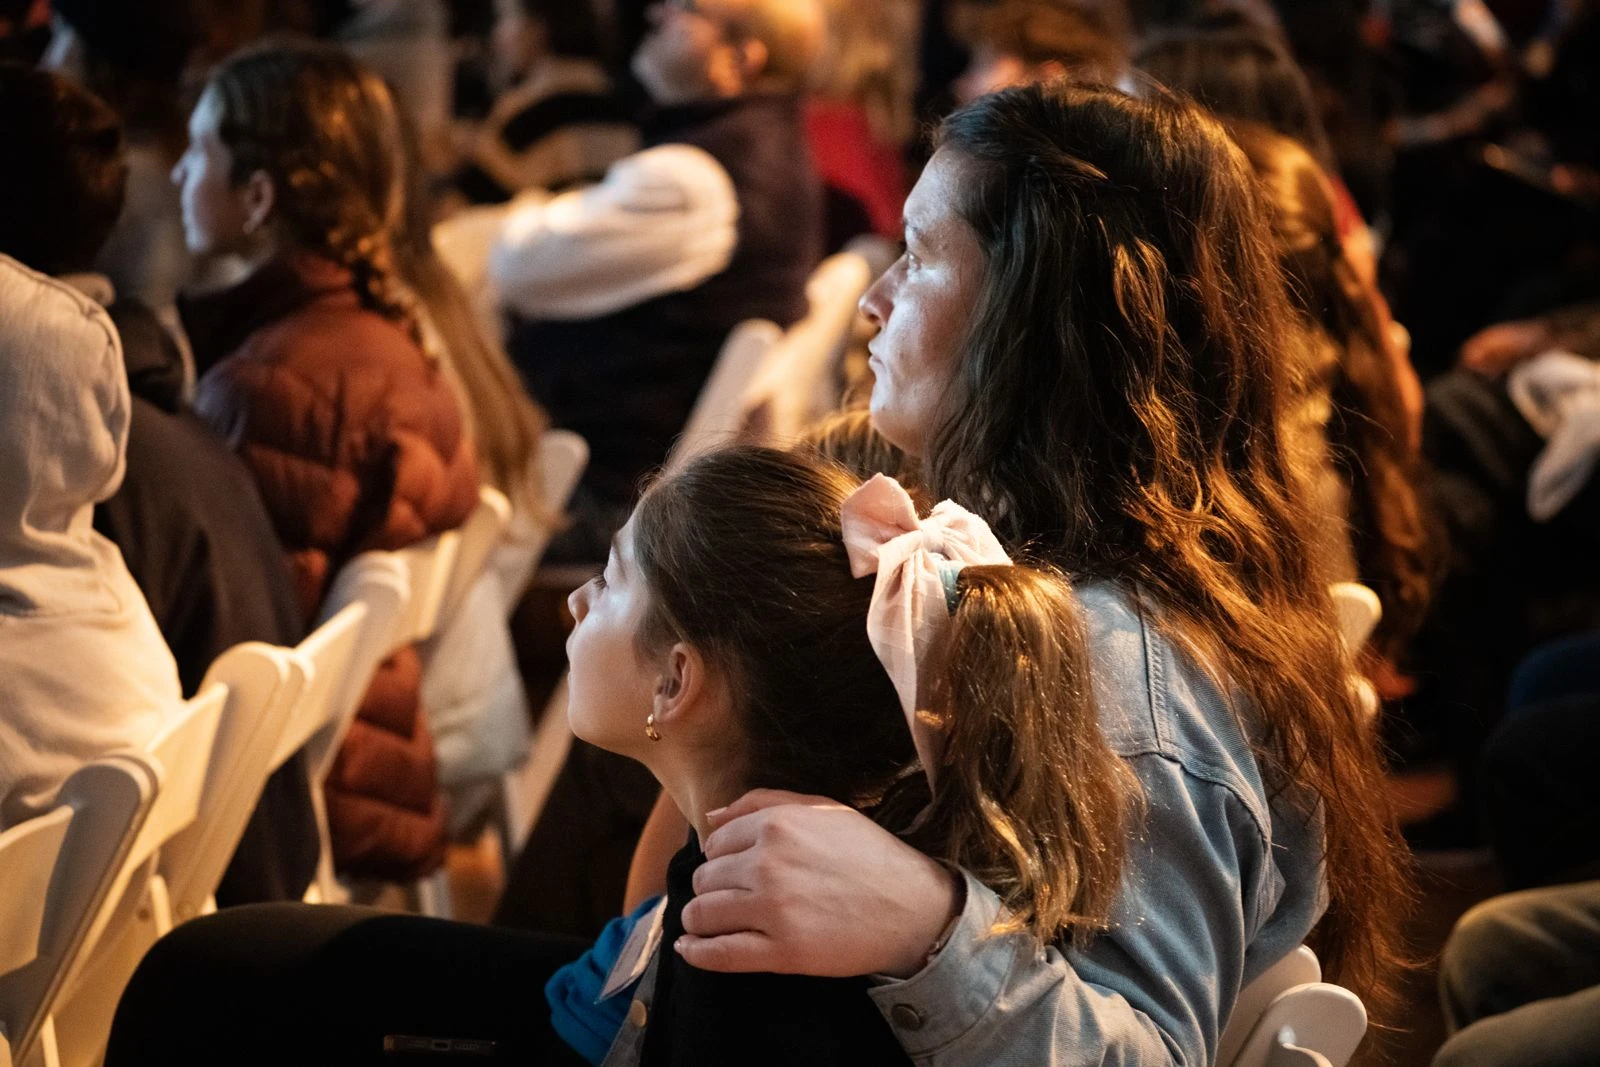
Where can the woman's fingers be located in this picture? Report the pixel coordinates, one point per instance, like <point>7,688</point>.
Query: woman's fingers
<point>739,952</point>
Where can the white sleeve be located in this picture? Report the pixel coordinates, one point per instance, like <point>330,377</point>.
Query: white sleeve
<point>662,221</point>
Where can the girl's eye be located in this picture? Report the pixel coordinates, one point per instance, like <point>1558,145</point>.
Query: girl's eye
<point>599,580</point>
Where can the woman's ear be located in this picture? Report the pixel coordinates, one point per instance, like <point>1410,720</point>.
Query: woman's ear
<point>260,197</point>
<point>683,689</point>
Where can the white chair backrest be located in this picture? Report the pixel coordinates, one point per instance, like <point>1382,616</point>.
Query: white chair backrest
<point>321,664</point>
<point>262,686</point>
<point>727,400</point>
<point>477,538</point>
<point>1314,1025</point>
<point>109,800</point>
<point>380,582</point>
<point>797,380</point>
<point>28,855</point>
<point>429,565</point>
<point>1297,968</point>
<point>1358,610</point>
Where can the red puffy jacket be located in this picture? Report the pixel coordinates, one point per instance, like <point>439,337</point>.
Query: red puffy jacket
<point>356,443</point>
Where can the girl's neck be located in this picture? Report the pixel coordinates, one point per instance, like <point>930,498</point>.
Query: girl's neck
<point>699,791</point>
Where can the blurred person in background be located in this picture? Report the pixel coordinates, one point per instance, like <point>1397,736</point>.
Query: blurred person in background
<point>1014,42</point>
<point>187,517</point>
<point>83,669</point>
<point>557,122</point>
<point>860,118</point>
<point>1362,433</point>
<point>304,332</point>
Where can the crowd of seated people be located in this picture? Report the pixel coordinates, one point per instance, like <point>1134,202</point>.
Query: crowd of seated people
<point>1008,716</point>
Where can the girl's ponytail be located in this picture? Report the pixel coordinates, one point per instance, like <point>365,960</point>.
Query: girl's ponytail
<point>1031,799</point>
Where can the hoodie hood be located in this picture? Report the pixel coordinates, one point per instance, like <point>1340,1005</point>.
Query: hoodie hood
<point>64,413</point>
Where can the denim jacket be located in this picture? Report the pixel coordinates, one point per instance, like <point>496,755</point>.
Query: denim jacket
<point>1219,884</point>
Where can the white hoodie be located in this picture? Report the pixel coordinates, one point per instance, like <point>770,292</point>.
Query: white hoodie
<point>83,668</point>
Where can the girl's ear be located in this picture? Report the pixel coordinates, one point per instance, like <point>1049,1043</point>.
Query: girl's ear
<point>260,197</point>
<point>683,688</point>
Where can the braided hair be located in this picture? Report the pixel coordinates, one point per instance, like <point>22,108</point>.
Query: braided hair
<point>324,129</point>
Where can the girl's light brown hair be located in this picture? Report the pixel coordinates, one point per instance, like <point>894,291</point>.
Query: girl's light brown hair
<point>324,129</point>
<point>1119,407</point>
<point>744,557</point>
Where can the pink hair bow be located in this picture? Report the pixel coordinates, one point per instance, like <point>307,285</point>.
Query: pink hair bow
<point>910,607</point>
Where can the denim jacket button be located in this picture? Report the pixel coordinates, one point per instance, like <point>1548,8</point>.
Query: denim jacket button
<point>905,1017</point>
<point>638,1014</point>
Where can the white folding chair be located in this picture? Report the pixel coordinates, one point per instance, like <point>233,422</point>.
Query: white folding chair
<point>476,541</point>
<point>1358,611</point>
<point>28,856</point>
<point>138,910</point>
<point>106,802</point>
<point>364,612</point>
<point>728,401</point>
<point>1289,1017</point>
<point>429,565</point>
<point>262,685</point>
<point>797,382</point>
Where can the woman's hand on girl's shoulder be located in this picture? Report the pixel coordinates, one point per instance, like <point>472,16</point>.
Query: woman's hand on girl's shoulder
<point>804,885</point>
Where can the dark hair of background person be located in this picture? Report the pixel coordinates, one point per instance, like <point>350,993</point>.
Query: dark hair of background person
<point>1239,73</point>
<point>744,557</point>
<point>505,422</point>
<point>571,27</point>
<point>324,129</point>
<point>1092,38</point>
<point>136,53</point>
<point>1367,435</point>
<point>75,170</point>
<point>1119,410</point>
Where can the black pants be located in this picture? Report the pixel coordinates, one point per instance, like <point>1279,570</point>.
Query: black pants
<point>303,984</point>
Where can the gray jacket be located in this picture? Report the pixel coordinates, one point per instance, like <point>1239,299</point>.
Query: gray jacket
<point>1219,885</point>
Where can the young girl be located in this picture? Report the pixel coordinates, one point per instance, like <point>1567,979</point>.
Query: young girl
<point>735,641</point>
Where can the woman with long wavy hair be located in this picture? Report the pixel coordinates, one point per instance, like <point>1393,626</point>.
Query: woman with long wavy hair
<point>1084,341</point>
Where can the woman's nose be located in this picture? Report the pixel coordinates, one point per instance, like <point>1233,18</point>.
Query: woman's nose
<point>874,303</point>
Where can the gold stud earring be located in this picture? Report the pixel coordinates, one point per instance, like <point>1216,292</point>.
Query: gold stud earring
<point>650,730</point>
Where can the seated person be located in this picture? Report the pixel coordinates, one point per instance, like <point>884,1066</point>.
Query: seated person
<point>83,669</point>
<point>311,370</point>
<point>624,292</point>
<point>1014,42</point>
<point>187,517</point>
<point>945,672</point>
<point>558,123</point>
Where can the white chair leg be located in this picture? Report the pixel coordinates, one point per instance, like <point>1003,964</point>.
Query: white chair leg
<point>45,1052</point>
<point>433,895</point>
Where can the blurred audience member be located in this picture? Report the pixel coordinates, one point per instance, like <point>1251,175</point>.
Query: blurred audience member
<point>1014,42</point>
<point>1355,413</point>
<point>187,517</point>
<point>407,44</point>
<point>302,328</point>
<point>1520,980</point>
<point>557,123</point>
<point>83,668</point>
<point>134,54</point>
<point>626,290</point>
<point>859,118</point>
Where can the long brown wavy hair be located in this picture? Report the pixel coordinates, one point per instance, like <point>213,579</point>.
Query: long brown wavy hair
<point>1119,408</point>
<point>1368,432</point>
<point>743,555</point>
<point>324,129</point>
